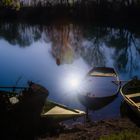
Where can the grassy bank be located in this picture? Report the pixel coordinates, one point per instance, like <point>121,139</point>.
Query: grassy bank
<point>125,135</point>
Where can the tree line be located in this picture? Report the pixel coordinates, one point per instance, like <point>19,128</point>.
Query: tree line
<point>68,2</point>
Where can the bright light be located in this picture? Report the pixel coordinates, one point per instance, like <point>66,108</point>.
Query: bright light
<point>72,78</point>
<point>73,81</point>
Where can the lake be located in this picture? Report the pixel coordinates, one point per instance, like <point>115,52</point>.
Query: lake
<point>58,56</point>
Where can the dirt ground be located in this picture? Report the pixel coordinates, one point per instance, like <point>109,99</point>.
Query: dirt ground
<point>92,130</point>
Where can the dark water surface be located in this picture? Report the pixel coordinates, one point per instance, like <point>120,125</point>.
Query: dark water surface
<point>58,56</point>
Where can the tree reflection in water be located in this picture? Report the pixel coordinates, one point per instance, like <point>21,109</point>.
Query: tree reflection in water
<point>72,41</point>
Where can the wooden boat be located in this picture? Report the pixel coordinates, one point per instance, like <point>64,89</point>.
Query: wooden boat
<point>102,72</point>
<point>57,112</point>
<point>131,94</point>
<point>95,102</point>
<point>20,111</point>
<point>10,99</point>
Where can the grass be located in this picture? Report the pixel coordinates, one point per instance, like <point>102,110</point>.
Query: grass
<point>125,135</point>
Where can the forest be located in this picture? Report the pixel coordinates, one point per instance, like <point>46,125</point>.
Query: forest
<point>77,9</point>
<point>44,3</point>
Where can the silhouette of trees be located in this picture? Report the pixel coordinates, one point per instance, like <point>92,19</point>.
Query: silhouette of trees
<point>71,2</point>
<point>10,3</point>
<point>79,9</point>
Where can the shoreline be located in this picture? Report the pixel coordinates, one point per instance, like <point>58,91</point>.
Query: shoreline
<point>94,130</point>
<point>81,14</point>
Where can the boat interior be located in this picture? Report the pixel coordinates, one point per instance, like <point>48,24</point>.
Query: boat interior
<point>134,98</point>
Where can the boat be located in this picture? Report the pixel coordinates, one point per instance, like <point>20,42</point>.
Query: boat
<point>95,102</point>
<point>131,94</point>
<point>27,99</point>
<point>102,72</point>
<point>57,112</point>
<point>11,99</point>
<point>21,109</point>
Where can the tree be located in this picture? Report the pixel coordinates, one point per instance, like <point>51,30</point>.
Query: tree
<point>15,4</point>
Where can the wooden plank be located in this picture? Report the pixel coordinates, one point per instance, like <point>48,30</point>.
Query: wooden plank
<point>101,74</point>
<point>132,95</point>
<point>138,104</point>
<point>131,101</point>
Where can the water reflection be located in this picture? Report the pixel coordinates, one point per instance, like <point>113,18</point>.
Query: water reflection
<point>53,54</point>
<point>20,34</point>
<point>69,41</point>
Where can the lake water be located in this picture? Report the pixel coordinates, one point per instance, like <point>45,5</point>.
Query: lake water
<point>58,56</point>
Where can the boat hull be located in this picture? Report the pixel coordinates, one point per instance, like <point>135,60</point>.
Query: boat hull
<point>96,103</point>
<point>130,93</point>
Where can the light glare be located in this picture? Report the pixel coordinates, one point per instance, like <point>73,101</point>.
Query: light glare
<point>72,82</point>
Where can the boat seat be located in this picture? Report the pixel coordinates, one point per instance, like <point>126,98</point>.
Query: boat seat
<point>138,104</point>
<point>132,95</point>
<point>136,95</point>
<point>101,74</point>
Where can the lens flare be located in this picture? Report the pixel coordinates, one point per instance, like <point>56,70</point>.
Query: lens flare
<point>73,81</point>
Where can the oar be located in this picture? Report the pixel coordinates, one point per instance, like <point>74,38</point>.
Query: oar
<point>115,82</point>
<point>124,81</point>
<point>119,82</point>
